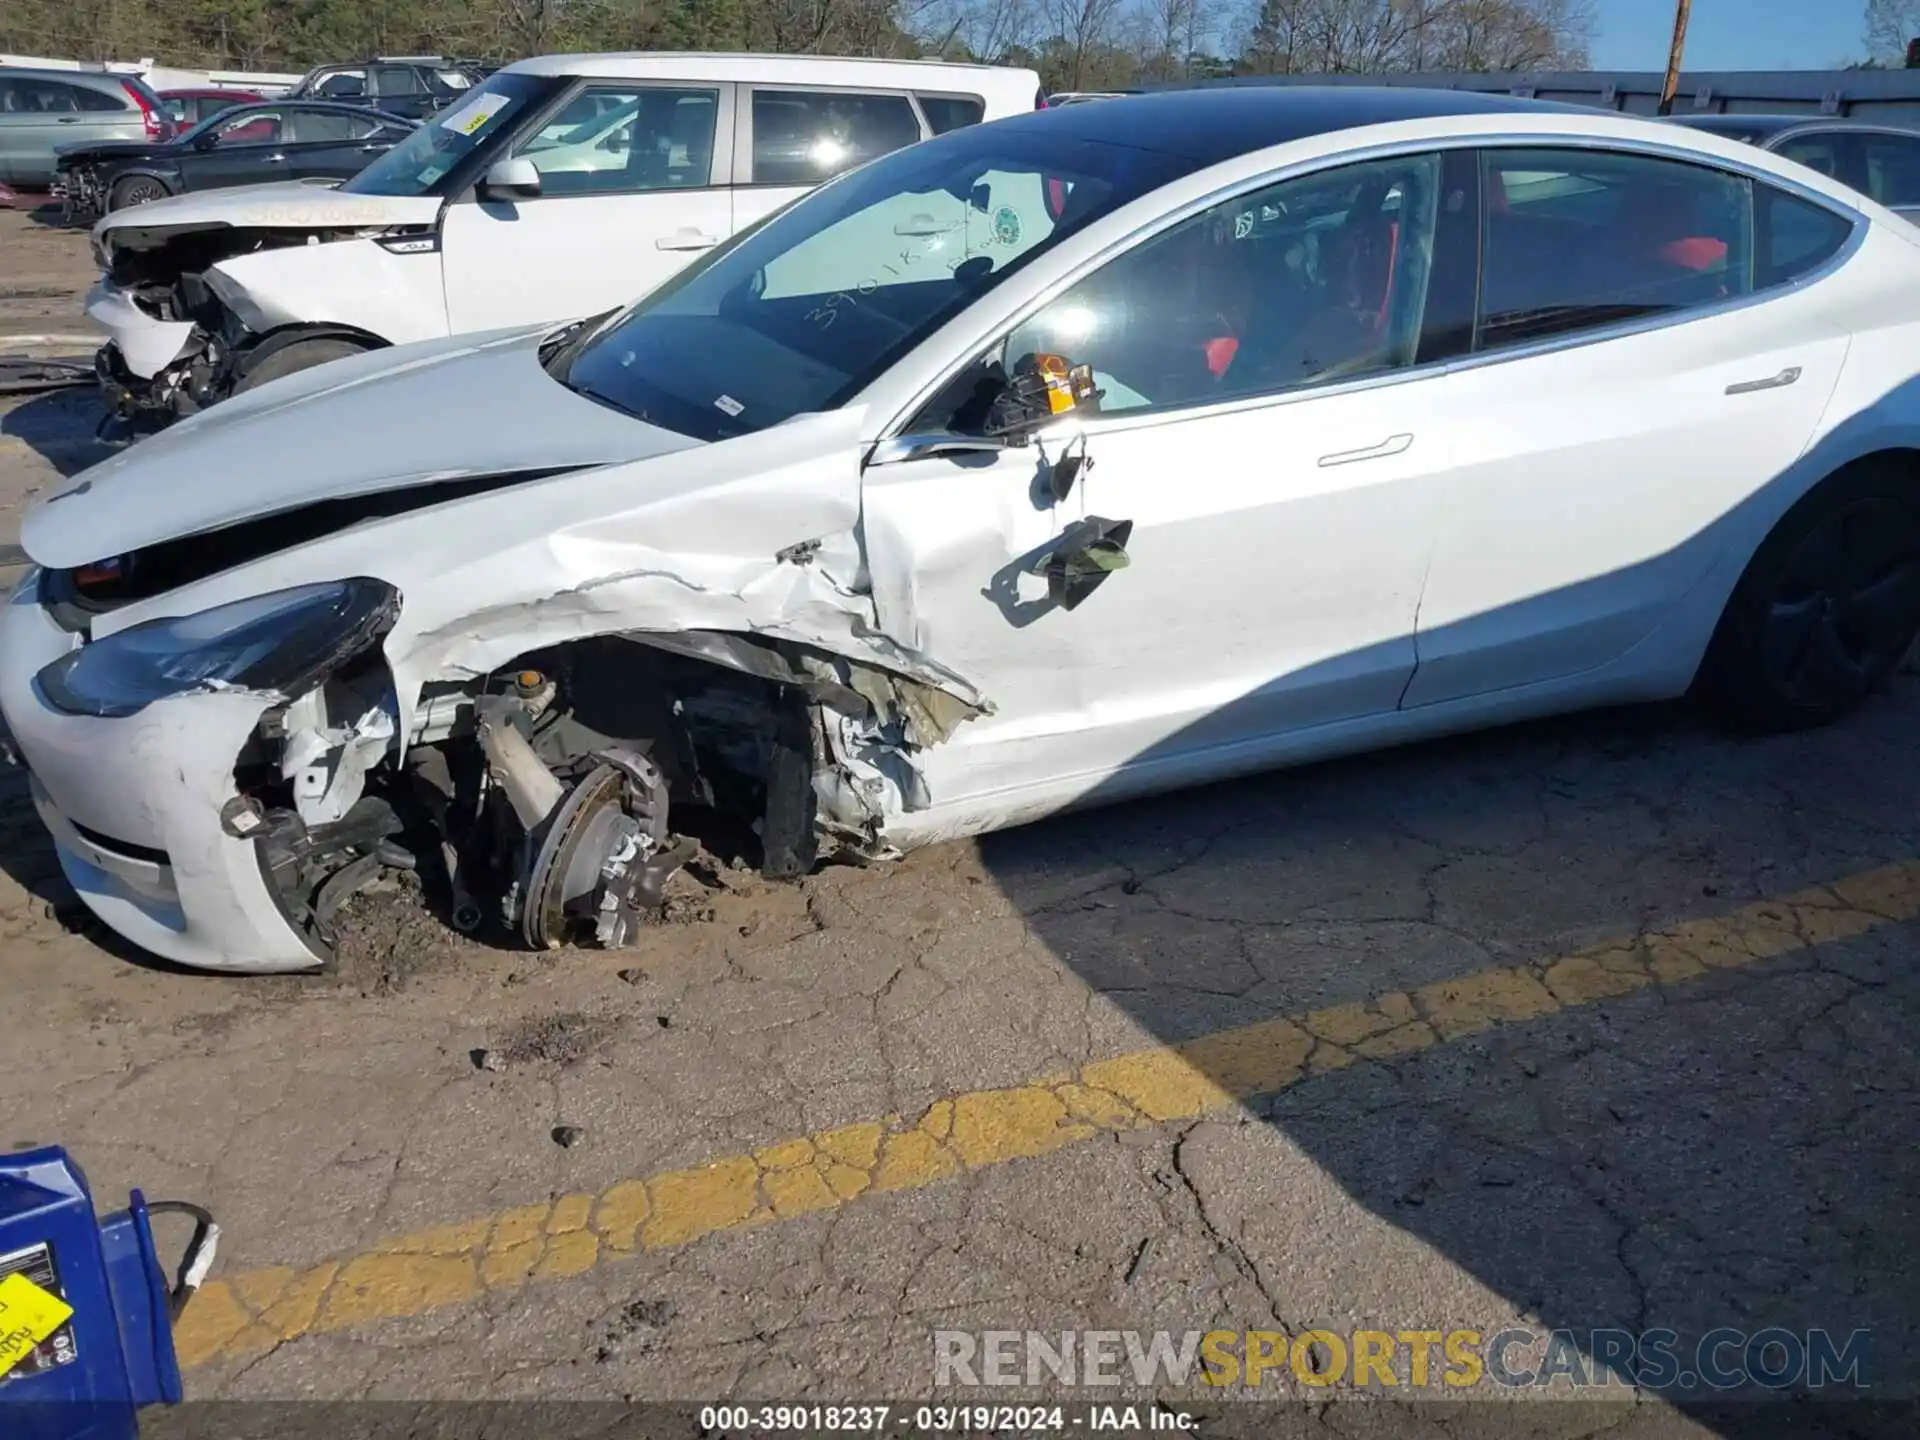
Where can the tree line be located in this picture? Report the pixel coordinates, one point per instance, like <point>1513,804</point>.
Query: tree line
<point>1074,44</point>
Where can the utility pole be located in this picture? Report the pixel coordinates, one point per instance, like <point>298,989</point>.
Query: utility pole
<point>1682,9</point>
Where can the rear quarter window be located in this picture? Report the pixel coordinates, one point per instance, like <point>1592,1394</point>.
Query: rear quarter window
<point>951,112</point>
<point>1795,236</point>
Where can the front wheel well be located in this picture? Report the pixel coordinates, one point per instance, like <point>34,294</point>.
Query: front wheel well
<point>287,335</point>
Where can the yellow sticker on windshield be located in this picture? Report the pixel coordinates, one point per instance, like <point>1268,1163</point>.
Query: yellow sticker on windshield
<point>28,1315</point>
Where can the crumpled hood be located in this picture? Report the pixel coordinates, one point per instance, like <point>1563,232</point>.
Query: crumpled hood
<point>442,410</point>
<point>284,204</point>
<point>94,150</point>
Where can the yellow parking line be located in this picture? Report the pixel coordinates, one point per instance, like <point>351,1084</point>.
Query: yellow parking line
<point>247,1314</point>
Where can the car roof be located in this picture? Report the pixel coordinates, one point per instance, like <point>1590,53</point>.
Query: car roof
<point>744,67</point>
<point>91,77</point>
<point>1211,125</point>
<point>1752,124</point>
<point>301,102</point>
<point>209,92</point>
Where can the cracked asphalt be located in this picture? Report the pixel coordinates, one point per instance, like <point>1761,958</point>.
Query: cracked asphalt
<point>1604,1023</point>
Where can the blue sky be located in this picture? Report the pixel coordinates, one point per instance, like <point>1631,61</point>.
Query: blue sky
<point>1730,34</point>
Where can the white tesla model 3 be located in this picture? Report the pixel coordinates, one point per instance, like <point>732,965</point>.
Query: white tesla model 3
<point>1080,455</point>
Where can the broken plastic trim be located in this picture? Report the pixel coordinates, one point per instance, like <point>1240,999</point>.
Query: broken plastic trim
<point>281,643</point>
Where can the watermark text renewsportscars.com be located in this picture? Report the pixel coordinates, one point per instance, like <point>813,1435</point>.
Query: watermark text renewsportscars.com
<point>1458,1359</point>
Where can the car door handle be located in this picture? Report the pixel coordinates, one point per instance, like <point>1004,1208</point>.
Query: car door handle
<point>273,159</point>
<point>1392,445</point>
<point>1772,382</point>
<point>67,120</point>
<point>686,240</point>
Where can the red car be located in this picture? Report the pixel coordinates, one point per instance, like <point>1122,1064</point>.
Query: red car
<point>189,107</point>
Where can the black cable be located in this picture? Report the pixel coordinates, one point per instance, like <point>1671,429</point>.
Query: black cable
<point>204,1230</point>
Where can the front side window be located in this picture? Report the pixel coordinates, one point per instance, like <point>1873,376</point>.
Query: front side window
<point>1315,279</point>
<point>1577,239</point>
<point>434,157</point>
<point>802,137</point>
<point>343,85</point>
<point>615,139</point>
<point>804,310</point>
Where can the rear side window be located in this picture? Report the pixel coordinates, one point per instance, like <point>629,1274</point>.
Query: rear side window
<point>395,80</point>
<point>1816,152</point>
<point>1578,239</point>
<point>1795,235</point>
<point>42,97</point>
<point>98,99</point>
<point>323,127</point>
<point>1893,168</point>
<point>802,137</point>
<point>950,112</point>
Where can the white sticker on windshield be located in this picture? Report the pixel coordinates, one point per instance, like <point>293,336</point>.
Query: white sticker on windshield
<point>730,405</point>
<point>432,172</point>
<point>470,117</point>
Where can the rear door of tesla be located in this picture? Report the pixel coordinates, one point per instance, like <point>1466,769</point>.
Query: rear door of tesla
<point>1637,369</point>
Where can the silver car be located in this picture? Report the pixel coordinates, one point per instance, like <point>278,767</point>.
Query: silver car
<point>43,110</point>
<point>1881,161</point>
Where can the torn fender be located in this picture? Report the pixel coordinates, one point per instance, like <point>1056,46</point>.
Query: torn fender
<point>682,540</point>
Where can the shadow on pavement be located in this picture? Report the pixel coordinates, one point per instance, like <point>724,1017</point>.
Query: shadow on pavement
<point>1728,1152</point>
<point>60,425</point>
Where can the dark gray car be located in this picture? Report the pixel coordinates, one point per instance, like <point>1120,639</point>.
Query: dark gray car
<point>43,110</point>
<point>1881,161</point>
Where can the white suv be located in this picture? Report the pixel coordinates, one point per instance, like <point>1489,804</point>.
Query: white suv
<point>561,186</point>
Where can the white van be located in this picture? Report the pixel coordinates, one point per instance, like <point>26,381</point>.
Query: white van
<point>561,186</point>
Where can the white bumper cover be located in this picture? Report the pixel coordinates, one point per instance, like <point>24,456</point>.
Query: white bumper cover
<point>133,807</point>
<point>147,345</point>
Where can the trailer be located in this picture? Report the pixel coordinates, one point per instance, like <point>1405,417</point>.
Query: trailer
<point>1889,97</point>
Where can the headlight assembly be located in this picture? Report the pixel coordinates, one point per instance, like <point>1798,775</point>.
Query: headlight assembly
<point>283,642</point>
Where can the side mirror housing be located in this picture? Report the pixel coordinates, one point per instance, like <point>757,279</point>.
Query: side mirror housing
<point>206,141</point>
<point>510,179</point>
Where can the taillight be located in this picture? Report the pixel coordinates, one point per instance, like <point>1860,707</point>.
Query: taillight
<point>156,124</point>
<point>1039,99</point>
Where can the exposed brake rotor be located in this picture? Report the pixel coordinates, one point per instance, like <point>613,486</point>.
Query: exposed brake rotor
<point>601,859</point>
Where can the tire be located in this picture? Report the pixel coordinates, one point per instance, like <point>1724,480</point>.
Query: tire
<point>301,355</point>
<point>1828,606</point>
<point>135,190</point>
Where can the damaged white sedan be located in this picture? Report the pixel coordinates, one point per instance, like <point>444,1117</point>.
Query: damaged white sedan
<point>1049,462</point>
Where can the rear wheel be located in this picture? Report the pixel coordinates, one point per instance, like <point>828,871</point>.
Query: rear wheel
<point>301,355</point>
<point>1828,606</point>
<point>135,190</point>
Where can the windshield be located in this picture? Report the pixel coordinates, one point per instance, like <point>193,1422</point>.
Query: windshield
<point>800,312</point>
<point>421,163</point>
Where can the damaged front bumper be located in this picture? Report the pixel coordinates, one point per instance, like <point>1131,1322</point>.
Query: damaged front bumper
<point>151,368</point>
<point>134,808</point>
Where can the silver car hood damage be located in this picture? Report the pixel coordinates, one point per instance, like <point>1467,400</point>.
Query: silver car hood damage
<point>645,532</point>
<point>332,432</point>
<point>284,205</point>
